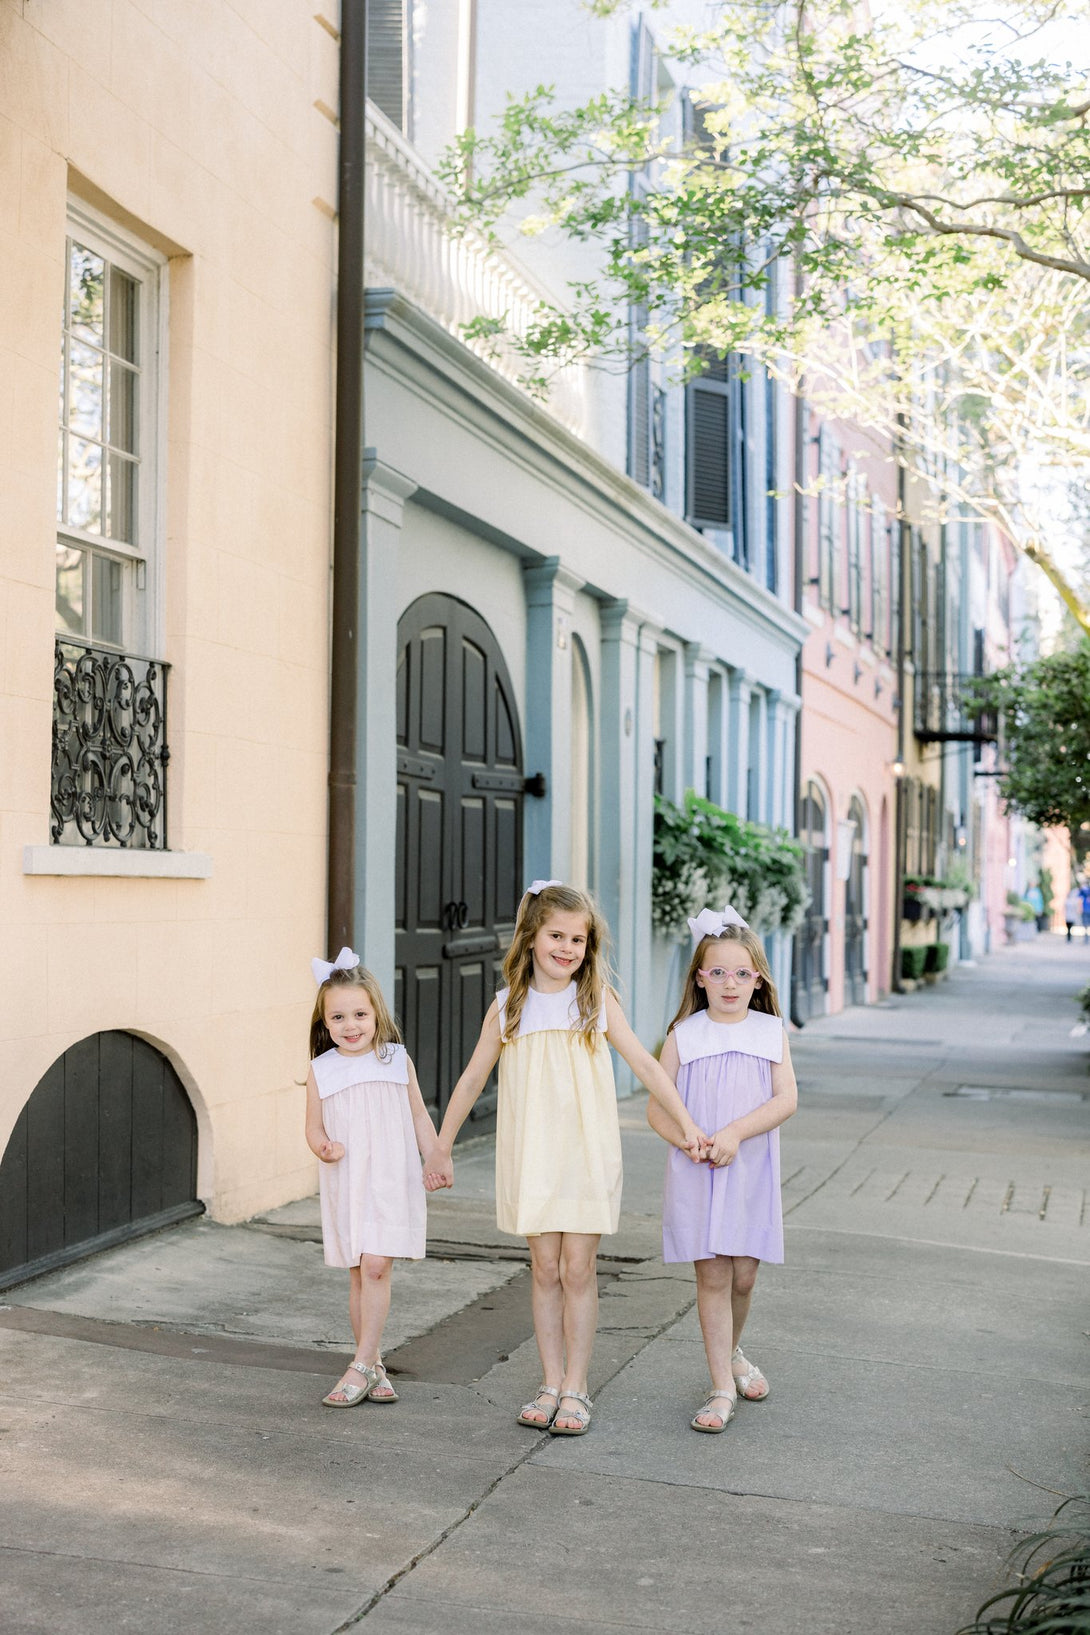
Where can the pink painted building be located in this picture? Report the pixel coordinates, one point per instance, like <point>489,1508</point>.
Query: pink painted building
<point>849,553</point>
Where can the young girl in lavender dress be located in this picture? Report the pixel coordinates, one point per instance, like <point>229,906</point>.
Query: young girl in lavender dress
<point>727,1052</point>
<point>367,1122</point>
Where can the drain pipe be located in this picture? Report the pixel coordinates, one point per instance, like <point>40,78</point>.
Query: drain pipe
<point>347,480</point>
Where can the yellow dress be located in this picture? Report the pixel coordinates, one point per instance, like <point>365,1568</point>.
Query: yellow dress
<point>558,1139</point>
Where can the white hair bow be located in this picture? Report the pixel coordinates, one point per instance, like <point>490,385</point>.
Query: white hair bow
<point>346,960</point>
<point>712,922</point>
<point>539,885</point>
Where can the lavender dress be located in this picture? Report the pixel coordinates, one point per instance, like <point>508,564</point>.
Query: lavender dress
<point>726,1072</point>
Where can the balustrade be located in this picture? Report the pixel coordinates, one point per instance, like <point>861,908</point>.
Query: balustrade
<point>454,279</point>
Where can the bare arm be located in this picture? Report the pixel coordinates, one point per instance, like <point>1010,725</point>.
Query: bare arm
<point>769,1116</point>
<point>652,1076</point>
<point>662,1122</point>
<point>426,1139</point>
<point>473,1080</point>
<point>317,1140</point>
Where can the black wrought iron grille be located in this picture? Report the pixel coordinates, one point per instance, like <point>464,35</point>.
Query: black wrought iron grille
<point>110,749</point>
<point>948,712</point>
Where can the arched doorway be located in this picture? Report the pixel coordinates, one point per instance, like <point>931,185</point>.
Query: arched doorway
<point>459,848</point>
<point>855,911</point>
<point>104,1150</point>
<point>809,978</point>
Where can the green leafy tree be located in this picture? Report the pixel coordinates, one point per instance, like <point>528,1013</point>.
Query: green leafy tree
<point>888,206</point>
<point>1045,735</point>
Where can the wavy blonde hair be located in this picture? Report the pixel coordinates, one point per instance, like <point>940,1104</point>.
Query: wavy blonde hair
<point>592,977</point>
<point>695,998</point>
<point>387,1032</point>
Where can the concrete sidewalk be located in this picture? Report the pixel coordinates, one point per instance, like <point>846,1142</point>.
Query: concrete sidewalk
<point>169,1466</point>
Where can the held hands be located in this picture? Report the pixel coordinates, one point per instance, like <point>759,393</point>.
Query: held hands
<point>722,1147</point>
<point>438,1170</point>
<point>696,1143</point>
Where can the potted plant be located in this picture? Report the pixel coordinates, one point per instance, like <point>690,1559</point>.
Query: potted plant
<point>1044,883</point>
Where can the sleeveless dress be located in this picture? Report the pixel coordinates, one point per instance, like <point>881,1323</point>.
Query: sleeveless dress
<point>373,1199</point>
<point>558,1139</point>
<point>726,1072</point>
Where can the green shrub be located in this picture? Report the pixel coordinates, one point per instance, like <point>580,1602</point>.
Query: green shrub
<point>1051,1590</point>
<point>1083,1001</point>
<point>913,961</point>
<point>938,956</point>
<point>704,856</point>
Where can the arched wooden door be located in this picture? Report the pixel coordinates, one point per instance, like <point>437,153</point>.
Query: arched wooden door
<point>855,911</point>
<point>104,1150</point>
<point>809,978</point>
<point>459,848</point>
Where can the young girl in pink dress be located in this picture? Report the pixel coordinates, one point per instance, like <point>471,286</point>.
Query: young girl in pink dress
<point>726,1050</point>
<point>367,1122</point>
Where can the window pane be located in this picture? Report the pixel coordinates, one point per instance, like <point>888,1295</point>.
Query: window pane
<point>121,513</point>
<point>61,459</point>
<point>105,600</point>
<point>69,598</point>
<point>86,277</point>
<point>85,387</point>
<point>84,485</point>
<point>123,326</point>
<point>123,387</point>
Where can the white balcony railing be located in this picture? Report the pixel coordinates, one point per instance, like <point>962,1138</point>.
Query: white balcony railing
<point>452,279</point>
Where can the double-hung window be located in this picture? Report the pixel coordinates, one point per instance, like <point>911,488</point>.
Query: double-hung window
<point>109,710</point>
<point>106,467</point>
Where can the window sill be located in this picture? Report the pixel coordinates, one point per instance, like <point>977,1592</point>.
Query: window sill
<point>105,861</point>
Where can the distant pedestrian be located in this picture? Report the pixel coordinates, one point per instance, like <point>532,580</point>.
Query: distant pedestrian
<point>558,1139</point>
<point>727,1050</point>
<point>1084,894</point>
<point>1072,910</point>
<point>367,1122</point>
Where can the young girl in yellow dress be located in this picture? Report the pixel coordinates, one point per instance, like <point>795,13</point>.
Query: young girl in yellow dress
<point>558,1142</point>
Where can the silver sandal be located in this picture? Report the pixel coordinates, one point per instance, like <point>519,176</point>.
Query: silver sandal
<point>389,1394</point>
<point>351,1395</point>
<point>534,1406</point>
<point>752,1376</point>
<point>580,1415</point>
<point>714,1396</point>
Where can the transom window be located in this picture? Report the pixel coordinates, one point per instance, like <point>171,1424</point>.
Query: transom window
<point>106,452</point>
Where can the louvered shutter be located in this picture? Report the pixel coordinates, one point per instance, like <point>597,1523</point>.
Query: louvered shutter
<point>386,37</point>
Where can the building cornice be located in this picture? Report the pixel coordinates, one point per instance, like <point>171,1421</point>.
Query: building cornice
<point>419,353</point>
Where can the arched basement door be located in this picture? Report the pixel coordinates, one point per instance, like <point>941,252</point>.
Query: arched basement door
<point>459,836</point>
<point>105,1150</point>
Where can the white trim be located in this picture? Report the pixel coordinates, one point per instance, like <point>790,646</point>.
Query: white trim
<point>144,633</point>
<point>107,861</point>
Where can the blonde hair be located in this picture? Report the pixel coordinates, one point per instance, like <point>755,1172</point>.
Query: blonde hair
<point>695,998</point>
<point>592,977</point>
<point>387,1032</point>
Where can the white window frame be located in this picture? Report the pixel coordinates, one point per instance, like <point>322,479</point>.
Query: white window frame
<point>143,623</point>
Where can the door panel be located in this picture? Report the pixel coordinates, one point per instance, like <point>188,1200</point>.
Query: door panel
<point>460,845</point>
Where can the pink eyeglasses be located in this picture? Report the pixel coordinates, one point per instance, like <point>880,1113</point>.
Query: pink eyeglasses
<point>718,973</point>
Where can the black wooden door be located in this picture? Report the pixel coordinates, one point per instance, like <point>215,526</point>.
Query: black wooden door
<point>809,980</point>
<point>459,848</point>
<point>105,1149</point>
<point>855,923</point>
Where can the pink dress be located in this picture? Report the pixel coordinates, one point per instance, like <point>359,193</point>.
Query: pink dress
<point>373,1199</point>
<point>726,1072</point>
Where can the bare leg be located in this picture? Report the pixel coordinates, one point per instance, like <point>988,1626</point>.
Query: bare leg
<point>368,1307</point>
<point>579,1278</point>
<point>547,1303</point>
<point>745,1276</point>
<point>714,1285</point>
